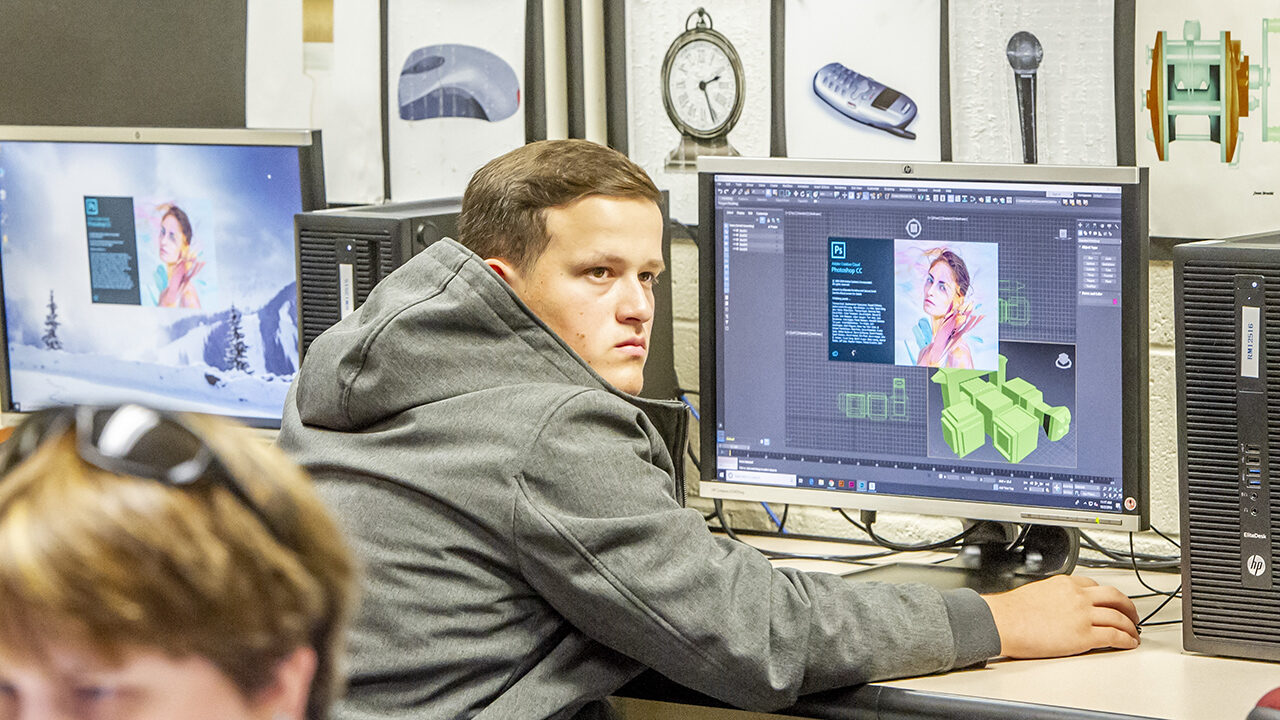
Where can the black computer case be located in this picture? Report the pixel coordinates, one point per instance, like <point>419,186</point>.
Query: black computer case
<point>1227,320</point>
<point>344,252</point>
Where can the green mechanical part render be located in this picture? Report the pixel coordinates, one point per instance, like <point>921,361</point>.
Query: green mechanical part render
<point>1012,306</point>
<point>1016,433</point>
<point>1011,410</point>
<point>962,429</point>
<point>877,406</point>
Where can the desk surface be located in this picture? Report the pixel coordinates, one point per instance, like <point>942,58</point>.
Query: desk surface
<point>1158,679</point>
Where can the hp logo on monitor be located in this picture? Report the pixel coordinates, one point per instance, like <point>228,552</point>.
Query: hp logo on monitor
<point>1256,565</point>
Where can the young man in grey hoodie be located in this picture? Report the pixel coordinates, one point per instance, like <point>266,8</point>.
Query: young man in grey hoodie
<point>520,512</point>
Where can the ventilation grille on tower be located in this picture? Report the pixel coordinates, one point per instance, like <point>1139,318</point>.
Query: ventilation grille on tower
<point>1221,608</point>
<point>318,277</point>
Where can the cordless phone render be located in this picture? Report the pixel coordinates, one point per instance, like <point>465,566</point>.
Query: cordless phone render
<point>865,100</point>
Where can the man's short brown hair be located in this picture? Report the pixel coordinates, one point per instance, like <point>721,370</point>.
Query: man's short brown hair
<point>504,207</point>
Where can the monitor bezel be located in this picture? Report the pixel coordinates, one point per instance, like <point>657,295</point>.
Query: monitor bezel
<point>1134,257</point>
<point>310,171</point>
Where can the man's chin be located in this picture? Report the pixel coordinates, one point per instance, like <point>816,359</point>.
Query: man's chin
<point>631,388</point>
<point>627,380</point>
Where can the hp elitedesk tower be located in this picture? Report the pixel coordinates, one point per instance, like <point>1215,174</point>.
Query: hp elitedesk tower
<point>1227,307</point>
<point>343,253</point>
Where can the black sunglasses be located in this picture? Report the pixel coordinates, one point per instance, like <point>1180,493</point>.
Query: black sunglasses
<point>130,440</point>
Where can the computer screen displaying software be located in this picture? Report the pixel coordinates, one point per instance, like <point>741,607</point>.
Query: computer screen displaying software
<point>949,346</point>
<point>161,272</point>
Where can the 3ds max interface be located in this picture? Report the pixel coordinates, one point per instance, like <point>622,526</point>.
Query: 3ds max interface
<point>938,339</point>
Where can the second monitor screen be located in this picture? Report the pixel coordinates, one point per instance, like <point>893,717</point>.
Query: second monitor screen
<point>156,272</point>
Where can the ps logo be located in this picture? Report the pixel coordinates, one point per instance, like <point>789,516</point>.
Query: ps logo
<point>1256,565</point>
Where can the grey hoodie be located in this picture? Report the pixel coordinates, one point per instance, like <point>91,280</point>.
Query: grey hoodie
<point>525,545</point>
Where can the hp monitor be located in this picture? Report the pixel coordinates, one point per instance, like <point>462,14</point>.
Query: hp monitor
<point>153,265</point>
<point>943,339</point>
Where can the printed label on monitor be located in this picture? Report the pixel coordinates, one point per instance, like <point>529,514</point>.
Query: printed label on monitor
<point>113,258</point>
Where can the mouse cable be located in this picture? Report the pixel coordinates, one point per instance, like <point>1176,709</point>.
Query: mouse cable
<point>1146,620</point>
<point>1137,574</point>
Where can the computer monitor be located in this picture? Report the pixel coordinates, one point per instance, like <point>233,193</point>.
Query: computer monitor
<point>153,265</point>
<point>933,338</point>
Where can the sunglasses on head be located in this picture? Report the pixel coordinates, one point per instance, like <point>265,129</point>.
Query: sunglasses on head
<point>130,440</point>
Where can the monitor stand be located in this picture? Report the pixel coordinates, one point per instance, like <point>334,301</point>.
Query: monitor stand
<point>995,558</point>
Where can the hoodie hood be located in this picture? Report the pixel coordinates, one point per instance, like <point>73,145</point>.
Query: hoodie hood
<point>440,326</point>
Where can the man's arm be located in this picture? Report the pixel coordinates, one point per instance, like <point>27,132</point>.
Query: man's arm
<point>603,540</point>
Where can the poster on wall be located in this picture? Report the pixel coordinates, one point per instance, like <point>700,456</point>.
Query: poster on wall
<point>862,79</point>
<point>333,85</point>
<point>1205,123</point>
<point>456,96</point>
<point>1033,83</point>
<point>697,83</point>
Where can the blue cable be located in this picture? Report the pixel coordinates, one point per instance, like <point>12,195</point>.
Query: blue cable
<point>692,409</point>
<point>773,517</point>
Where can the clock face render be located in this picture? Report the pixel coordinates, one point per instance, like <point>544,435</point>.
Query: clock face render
<point>701,88</point>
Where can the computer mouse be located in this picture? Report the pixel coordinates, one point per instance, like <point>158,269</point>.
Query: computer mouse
<point>457,81</point>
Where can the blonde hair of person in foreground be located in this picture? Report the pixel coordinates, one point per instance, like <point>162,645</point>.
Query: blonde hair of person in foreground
<point>160,565</point>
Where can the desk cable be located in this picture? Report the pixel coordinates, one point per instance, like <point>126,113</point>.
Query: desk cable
<point>1138,562</point>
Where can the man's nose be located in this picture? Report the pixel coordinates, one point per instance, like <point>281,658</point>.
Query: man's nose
<point>636,302</point>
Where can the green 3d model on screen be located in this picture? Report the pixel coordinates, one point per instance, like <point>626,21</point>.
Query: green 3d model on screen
<point>1013,306</point>
<point>876,405</point>
<point>978,403</point>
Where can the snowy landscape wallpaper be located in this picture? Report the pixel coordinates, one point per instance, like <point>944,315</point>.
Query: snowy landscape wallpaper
<point>84,269</point>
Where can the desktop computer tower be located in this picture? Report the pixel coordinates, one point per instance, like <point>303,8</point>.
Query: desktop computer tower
<point>344,252</point>
<point>1227,319</point>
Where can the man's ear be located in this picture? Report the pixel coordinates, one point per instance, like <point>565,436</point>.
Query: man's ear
<point>286,696</point>
<point>505,270</point>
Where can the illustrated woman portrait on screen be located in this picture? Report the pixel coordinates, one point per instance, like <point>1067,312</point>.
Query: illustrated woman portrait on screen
<point>949,312</point>
<point>176,273</point>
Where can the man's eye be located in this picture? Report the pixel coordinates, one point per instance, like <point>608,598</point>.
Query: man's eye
<point>649,278</point>
<point>8,701</point>
<point>93,693</point>
<point>598,272</point>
